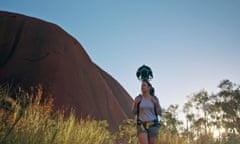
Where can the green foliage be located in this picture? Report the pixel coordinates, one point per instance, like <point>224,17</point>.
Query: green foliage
<point>169,121</point>
<point>127,133</point>
<point>228,99</point>
<point>231,139</point>
<point>214,114</point>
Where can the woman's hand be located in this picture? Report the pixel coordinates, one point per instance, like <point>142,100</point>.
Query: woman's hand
<point>137,99</point>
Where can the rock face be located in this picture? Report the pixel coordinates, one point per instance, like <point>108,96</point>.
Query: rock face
<point>35,52</point>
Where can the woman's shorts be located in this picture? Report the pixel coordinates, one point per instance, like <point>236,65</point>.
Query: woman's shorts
<point>152,131</point>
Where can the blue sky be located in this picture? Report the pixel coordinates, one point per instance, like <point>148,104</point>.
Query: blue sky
<point>189,44</point>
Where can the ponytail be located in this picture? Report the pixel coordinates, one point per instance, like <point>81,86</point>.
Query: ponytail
<point>152,91</point>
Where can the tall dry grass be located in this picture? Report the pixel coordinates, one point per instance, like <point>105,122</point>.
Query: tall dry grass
<point>30,121</point>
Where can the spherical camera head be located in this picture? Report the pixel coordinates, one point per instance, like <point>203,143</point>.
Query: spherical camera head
<point>144,73</point>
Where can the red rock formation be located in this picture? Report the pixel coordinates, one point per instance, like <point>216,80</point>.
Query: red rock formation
<point>34,52</point>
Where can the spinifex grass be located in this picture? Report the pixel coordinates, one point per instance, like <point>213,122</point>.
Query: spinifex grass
<point>30,122</point>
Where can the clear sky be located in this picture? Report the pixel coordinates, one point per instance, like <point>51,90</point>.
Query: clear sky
<point>189,44</point>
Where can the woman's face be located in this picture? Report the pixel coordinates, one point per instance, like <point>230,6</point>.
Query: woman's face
<point>144,87</point>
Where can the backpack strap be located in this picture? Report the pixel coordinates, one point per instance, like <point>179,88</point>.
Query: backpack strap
<point>138,108</point>
<point>155,108</point>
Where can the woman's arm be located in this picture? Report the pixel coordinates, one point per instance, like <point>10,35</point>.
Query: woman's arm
<point>136,101</point>
<point>157,105</point>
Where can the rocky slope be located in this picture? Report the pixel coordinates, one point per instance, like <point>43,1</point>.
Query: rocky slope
<point>35,52</point>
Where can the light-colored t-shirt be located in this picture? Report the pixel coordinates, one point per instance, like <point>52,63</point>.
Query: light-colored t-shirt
<point>146,110</point>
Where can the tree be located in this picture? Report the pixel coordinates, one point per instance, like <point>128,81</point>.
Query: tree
<point>170,120</point>
<point>228,100</point>
<point>189,119</point>
<point>198,112</point>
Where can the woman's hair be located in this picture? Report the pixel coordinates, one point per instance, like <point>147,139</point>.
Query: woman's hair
<point>151,88</point>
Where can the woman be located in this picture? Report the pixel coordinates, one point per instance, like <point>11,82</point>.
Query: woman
<point>147,109</point>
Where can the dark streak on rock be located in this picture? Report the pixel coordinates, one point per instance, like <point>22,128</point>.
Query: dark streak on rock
<point>37,59</point>
<point>14,45</point>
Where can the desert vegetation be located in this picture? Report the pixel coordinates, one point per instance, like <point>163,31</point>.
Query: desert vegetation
<point>209,119</point>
